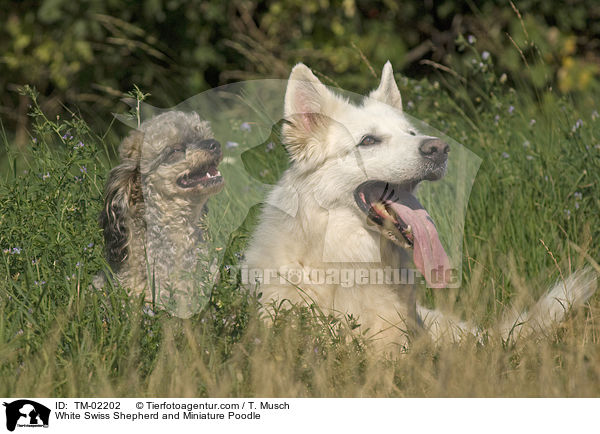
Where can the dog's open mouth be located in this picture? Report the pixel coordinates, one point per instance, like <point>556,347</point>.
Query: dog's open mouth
<point>205,175</point>
<point>404,221</point>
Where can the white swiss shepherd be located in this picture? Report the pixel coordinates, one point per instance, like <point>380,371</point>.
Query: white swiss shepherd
<point>346,203</point>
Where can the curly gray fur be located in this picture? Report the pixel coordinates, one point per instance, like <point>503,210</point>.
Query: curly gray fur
<point>151,221</point>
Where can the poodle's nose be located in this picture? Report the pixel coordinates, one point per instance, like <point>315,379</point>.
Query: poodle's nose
<point>435,150</point>
<point>210,145</point>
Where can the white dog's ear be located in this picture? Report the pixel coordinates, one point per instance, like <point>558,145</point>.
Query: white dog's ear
<point>388,92</point>
<point>305,100</point>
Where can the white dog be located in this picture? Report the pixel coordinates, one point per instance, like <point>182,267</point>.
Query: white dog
<point>347,202</point>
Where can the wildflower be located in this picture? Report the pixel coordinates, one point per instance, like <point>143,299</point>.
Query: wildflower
<point>78,265</point>
<point>34,140</point>
<point>90,245</point>
<point>83,169</point>
<point>532,122</point>
<point>148,311</point>
<point>567,213</point>
<point>16,251</point>
<point>472,39</point>
<point>40,282</point>
<point>511,109</point>
<point>264,173</point>
<point>270,146</point>
<point>19,332</point>
<point>231,145</point>
<point>496,119</point>
<point>410,105</point>
<point>595,115</point>
<point>246,127</point>
<point>505,155</point>
<point>526,144</point>
<point>546,178</point>
<point>503,78</point>
<point>576,205</point>
<point>485,55</point>
<point>6,250</point>
<point>35,261</point>
<point>529,157</point>
<point>577,195</point>
<point>577,125</point>
<point>79,145</point>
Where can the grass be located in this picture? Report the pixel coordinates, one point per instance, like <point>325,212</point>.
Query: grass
<point>535,194</point>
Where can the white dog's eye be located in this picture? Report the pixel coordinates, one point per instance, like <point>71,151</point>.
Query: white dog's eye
<point>369,141</point>
<point>412,133</point>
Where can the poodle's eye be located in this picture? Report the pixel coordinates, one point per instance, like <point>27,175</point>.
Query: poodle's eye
<point>178,148</point>
<point>369,141</point>
<point>412,133</point>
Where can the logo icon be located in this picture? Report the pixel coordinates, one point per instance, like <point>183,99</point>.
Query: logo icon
<point>26,413</point>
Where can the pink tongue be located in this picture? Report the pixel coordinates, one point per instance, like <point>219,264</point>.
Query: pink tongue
<point>428,253</point>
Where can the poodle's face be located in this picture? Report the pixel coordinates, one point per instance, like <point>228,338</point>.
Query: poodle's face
<point>179,156</point>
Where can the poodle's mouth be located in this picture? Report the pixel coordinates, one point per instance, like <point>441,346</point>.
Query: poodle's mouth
<point>403,220</point>
<point>204,176</point>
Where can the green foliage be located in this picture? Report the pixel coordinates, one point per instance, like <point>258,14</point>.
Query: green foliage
<point>87,54</point>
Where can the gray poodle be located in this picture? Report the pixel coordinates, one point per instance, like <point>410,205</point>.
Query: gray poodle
<point>154,206</point>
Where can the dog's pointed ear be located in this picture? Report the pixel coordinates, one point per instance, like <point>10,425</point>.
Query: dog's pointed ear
<point>305,99</point>
<point>388,92</point>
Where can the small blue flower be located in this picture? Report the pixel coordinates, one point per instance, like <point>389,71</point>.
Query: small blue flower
<point>78,265</point>
<point>485,55</point>
<point>16,251</point>
<point>34,140</point>
<point>577,195</point>
<point>532,122</point>
<point>246,127</point>
<point>148,311</point>
<point>526,144</point>
<point>83,169</point>
<point>567,213</point>
<point>595,115</point>
<point>576,205</point>
<point>46,176</point>
<point>511,109</point>
<point>577,125</point>
<point>90,245</point>
<point>472,39</point>
<point>505,155</point>
<point>496,119</point>
<point>231,145</point>
<point>270,146</point>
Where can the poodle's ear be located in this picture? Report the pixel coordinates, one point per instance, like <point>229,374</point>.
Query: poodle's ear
<point>131,147</point>
<point>122,193</point>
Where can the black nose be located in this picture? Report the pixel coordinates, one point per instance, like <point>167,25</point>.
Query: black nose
<point>210,145</point>
<point>435,150</point>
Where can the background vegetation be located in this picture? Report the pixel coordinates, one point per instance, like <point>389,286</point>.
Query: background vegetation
<point>517,84</point>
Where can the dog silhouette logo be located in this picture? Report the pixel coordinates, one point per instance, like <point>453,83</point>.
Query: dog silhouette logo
<point>26,413</point>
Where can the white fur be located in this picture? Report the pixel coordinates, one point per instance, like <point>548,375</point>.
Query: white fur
<point>312,222</point>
